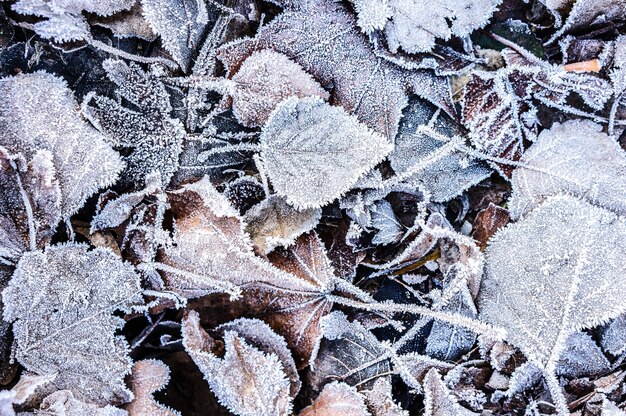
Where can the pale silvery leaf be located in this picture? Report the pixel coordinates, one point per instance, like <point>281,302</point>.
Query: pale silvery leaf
<point>247,380</point>
<point>264,80</point>
<point>337,398</point>
<point>368,86</point>
<point>414,25</point>
<point>574,157</point>
<point>380,401</point>
<point>566,258</point>
<point>523,378</point>
<point>442,170</point>
<point>180,23</point>
<point>313,152</point>
<point>613,337</point>
<point>610,409</point>
<point>439,400</point>
<point>582,358</point>
<point>273,223</point>
<point>64,19</point>
<point>61,302</point>
<point>40,113</point>
<point>384,220</point>
<point>147,127</point>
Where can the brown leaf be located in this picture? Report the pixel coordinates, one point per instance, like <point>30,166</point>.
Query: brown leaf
<point>364,84</point>
<point>487,222</point>
<point>148,376</point>
<point>337,399</point>
<point>265,79</point>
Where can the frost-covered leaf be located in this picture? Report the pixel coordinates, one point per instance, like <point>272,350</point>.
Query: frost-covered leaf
<point>523,378</point>
<point>363,84</point>
<point>439,400</point>
<point>127,24</point>
<point>586,15</point>
<point>610,409</point>
<point>425,160</point>
<point>414,25</point>
<point>337,398</point>
<point>247,380</point>
<point>264,80</point>
<point>24,389</point>
<point>448,342</point>
<point>210,251</point>
<point>380,401</point>
<point>575,157</point>
<point>148,376</point>
<point>64,403</point>
<point>582,358</point>
<point>499,108</point>
<point>64,21</point>
<point>30,204</point>
<point>347,352</point>
<point>388,228</point>
<point>148,129</point>
<point>274,223</point>
<point>180,23</point>
<point>61,303</point>
<point>565,258</point>
<point>40,113</point>
<point>614,336</point>
<point>313,152</point>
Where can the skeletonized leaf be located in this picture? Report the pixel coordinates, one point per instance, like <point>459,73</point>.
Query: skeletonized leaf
<point>439,400</point>
<point>575,157</point>
<point>180,23</point>
<point>264,80</point>
<point>273,223</point>
<point>61,303</point>
<point>566,258</point>
<point>415,25</point>
<point>247,380</point>
<point>337,399</point>
<point>313,152</point>
<point>40,113</point>
<point>154,136</point>
<point>64,21</point>
<point>363,84</point>
<point>148,376</point>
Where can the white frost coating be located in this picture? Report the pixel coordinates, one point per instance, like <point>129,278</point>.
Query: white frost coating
<point>64,20</point>
<point>180,23</point>
<point>40,112</point>
<point>61,303</point>
<point>414,25</point>
<point>575,157</point>
<point>247,381</point>
<point>439,400</point>
<point>548,260</point>
<point>314,152</point>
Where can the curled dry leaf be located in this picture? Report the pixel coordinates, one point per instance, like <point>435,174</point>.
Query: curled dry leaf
<point>61,302</point>
<point>577,158</point>
<point>83,161</point>
<point>363,84</point>
<point>147,377</point>
<point>337,399</point>
<point>247,380</point>
<point>488,221</point>
<point>313,152</point>
<point>264,80</point>
<point>274,223</point>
